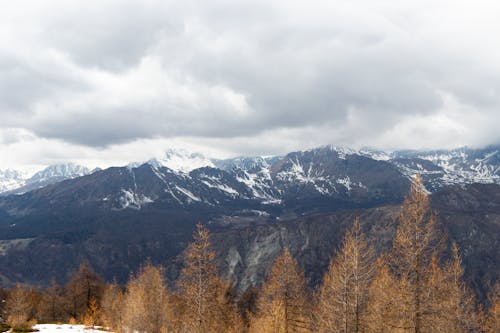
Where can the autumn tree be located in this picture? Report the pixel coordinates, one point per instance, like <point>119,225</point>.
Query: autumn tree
<point>112,307</point>
<point>492,315</point>
<point>247,304</point>
<point>415,244</point>
<point>203,293</point>
<point>3,299</point>
<point>146,302</point>
<point>458,301</point>
<point>342,299</point>
<point>83,286</point>
<point>282,306</point>
<point>19,307</point>
<point>383,300</point>
<point>50,308</point>
<point>92,316</point>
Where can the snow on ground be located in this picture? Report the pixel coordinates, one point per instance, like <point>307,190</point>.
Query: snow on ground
<point>66,328</point>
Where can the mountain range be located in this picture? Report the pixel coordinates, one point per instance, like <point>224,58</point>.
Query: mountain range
<point>438,167</point>
<point>119,217</point>
<point>16,182</point>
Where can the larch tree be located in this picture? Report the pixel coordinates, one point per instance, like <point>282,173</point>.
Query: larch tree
<point>83,286</point>
<point>437,303</point>
<point>383,300</point>
<point>415,244</point>
<point>282,305</point>
<point>492,315</point>
<point>203,293</point>
<point>146,302</point>
<point>92,316</point>
<point>459,302</point>
<point>51,303</point>
<point>112,307</point>
<point>19,307</point>
<point>342,300</point>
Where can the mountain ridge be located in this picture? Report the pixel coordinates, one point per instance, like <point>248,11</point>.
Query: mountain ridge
<point>438,168</point>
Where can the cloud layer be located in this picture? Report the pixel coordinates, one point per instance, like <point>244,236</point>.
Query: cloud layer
<point>96,77</point>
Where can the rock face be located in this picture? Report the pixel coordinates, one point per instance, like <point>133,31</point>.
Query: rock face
<point>119,217</point>
<point>469,216</point>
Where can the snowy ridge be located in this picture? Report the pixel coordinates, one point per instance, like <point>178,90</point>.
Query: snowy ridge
<point>14,182</point>
<point>247,163</point>
<point>326,170</point>
<point>11,179</point>
<point>449,167</point>
<point>63,171</point>
<point>181,160</point>
<point>342,151</point>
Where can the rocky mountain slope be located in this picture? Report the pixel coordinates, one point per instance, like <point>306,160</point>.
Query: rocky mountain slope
<point>451,167</point>
<point>15,182</point>
<point>118,217</point>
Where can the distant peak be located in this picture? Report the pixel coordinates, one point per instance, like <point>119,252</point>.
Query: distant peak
<point>63,170</point>
<point>182,160</point>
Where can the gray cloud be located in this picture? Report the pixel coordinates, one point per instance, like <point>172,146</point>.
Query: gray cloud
<point>104,73</point>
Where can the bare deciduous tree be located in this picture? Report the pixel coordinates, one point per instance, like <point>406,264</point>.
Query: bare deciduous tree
<point>112,307</point>
<point>83,285</point>
<point>342,299</point>
<point>146,302</point>
<point>415,244</point>
<point>19,307</point>
<point>282,306</point>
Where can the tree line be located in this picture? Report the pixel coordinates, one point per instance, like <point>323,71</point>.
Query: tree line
<point>413,287</point>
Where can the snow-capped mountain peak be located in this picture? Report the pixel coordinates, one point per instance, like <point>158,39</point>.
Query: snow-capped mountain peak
<point>182,161</point>
<point>375,154</point>
<point>340,150</point>
<point>60,171</point>
<point>11,179</point>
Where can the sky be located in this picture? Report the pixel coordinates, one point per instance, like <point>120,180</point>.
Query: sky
<point>102,83</point>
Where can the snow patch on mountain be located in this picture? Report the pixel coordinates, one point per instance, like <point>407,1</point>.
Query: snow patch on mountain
<point>307,174</point>
<point>250,164</point>
<point>342,152</point>
<point>214,183</point>
<point>375,154</point>
<point>187,193</point>
<point>346,181</point>
<point>448,167</point>
<point>130,199</point>
<point>259,183</point>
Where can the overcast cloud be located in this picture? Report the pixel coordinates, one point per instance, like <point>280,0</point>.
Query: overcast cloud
<point>105,82</point>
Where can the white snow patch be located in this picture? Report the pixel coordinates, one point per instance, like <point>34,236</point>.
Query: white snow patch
<point>346,181</point>
<point>66,328</point>
<point>272,202</point>
<point>130,199</point>
<point>187,193</point>
<point>221,187</point>
<point>259,183</point>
